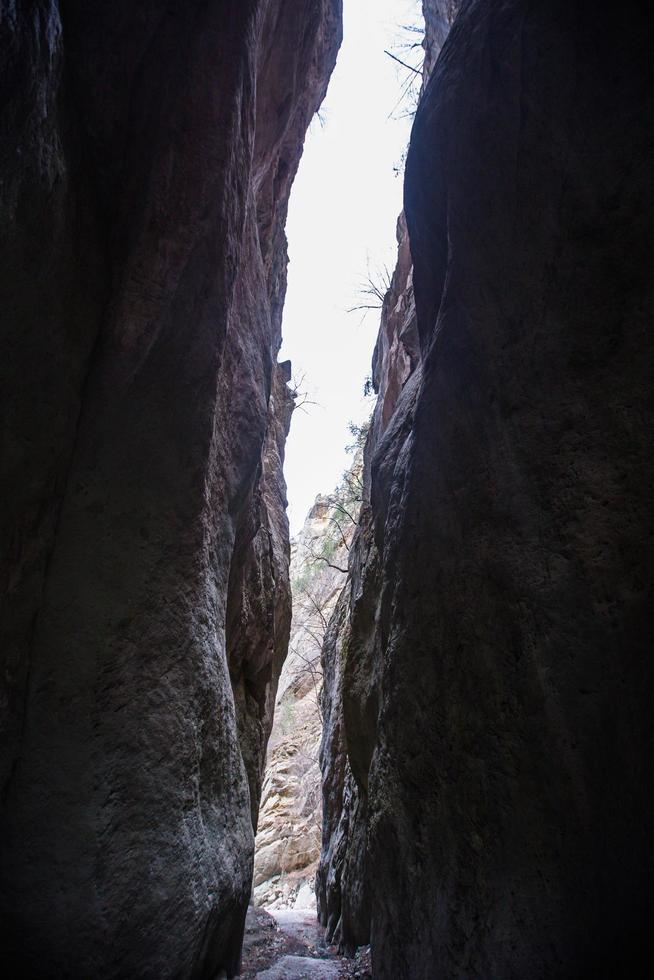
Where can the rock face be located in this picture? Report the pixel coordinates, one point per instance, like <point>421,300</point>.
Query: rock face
<point>352,655</point>
<point>487,765</point>
<point>147,154</point>
<point>288,838</point>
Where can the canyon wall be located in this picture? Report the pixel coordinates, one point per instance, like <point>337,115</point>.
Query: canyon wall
<point>352,656</point>
<point>487,755</point>
<point>147,153</point>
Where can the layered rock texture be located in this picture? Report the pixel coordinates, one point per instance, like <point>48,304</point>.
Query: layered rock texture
<point>487,756</point>
<point>147,153</point>
<point>289,831</point>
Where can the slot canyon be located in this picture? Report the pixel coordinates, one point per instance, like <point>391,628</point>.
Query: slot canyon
<point>466,712</point>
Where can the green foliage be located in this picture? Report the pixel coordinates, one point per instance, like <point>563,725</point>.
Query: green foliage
<point>359,434</point>
<point>301,581</point>
<point>286,713</point>
<point>331,544</point>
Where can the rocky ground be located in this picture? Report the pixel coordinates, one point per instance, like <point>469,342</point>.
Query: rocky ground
<point>291,946</point>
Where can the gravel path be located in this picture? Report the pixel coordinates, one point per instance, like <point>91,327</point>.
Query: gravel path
<point>290,945</point>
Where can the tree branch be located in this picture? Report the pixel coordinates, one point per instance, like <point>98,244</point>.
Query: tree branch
<point>329,564</point>
<point>403,63</point>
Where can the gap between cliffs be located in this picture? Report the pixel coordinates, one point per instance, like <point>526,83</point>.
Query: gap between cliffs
<point>307,730</point>
<point>470,683</point>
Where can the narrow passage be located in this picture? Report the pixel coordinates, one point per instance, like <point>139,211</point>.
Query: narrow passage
<point>290,946</point>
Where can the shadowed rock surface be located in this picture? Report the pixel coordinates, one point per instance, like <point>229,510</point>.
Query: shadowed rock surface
<point>147,152</point>
<point>487,760</point>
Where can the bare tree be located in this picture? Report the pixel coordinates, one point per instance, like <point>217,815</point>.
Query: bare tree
<point>300,395</point>
<point>314,607</point>
<point>315,595</point>
<point>311,669</point>
<point>409,55</point>
<point>373,289</point>
<point>315,556</point>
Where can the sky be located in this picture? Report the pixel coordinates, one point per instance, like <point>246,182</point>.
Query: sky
<point>341,227</point>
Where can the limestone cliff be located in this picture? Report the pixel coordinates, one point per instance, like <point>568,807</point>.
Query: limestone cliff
<point>487,760</point>
<point>147,153</point>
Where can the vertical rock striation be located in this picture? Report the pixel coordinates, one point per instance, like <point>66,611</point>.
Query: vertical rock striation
<point>147,153</point>
<point>492,674</point>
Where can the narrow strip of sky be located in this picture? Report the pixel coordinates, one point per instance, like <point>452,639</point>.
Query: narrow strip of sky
<point>341,227</point>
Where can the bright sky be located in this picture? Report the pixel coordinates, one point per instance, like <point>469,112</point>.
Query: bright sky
<point>342,216</point>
